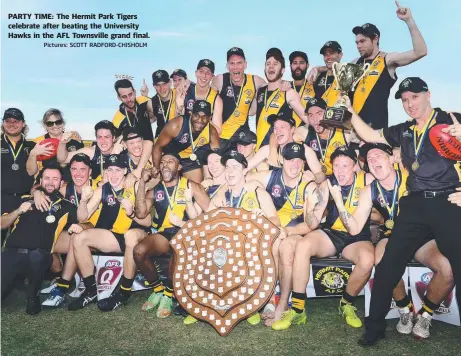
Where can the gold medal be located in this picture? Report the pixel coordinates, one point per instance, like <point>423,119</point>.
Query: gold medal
<point>236,113</point>
<point>324,168</point>
<point>415,166</point>
<point>293,215</point>
<point>50,219</point>
<point>193,157</point>
<point>389,224</point>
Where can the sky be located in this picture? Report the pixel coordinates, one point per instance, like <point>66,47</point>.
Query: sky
<point>80,81</point>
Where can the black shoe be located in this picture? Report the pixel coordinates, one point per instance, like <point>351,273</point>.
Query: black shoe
<point>116,300</point>
<point>82,301</point>
<point>179,310</point>
<point>33,305</point>
<point>370,338</point>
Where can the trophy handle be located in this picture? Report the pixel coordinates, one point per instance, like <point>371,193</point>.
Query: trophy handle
<point>366,68</point>
<point>335,72</point>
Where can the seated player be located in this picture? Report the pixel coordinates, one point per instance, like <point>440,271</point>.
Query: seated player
<point>384,194</point>
<point>188,136</point>
<point>116,229</point>
<point>105,132</point>
<point>289,193</point>
<point>32,240</point>
<point>246,143</point>
<point>332,239</point>
<point>134,144</point>
<point>171,197</point>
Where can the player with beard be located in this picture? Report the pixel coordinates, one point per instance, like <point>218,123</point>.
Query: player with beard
<point>174,195</point>
<point>188,136</point>
<point>284,128</point>
<point>110,209</point>
<point>299,64</point>
<point>332,239</point>
<point>237,91</point>
<point>105,146</point>
<point>246,143</point>
<point>134,144</point>
<point>321,140</point>
<point>33,237</point>
<point>325,85</point>
<point>270,100</point>
<point>384,194</point>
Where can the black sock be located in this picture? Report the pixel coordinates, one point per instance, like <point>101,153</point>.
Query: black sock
<point>428,306</point>
<point>62,284</point>
<point>125,285</point>
<point>404,303</point>
<point>298,301</point>
<point>347,299</point>
<point>90,284</point>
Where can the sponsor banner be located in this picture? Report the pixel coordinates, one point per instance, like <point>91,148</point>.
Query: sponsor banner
<point>419,280</point>
<point>393,310</point>
<point>328,280</point>
<point>108,273</point>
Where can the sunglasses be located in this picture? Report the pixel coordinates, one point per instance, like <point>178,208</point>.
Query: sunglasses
<point>52,123</point>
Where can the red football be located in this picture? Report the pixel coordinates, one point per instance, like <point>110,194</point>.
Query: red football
<point>445,144</point>
<point>54,145</point>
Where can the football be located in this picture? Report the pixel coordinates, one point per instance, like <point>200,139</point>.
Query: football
<point>445,144</point>
<point>54,145</point>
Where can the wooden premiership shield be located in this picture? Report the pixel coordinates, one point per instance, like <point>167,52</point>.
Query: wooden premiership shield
<point>224,270</point>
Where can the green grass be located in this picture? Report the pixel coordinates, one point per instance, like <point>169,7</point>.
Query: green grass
<point>129,331</point>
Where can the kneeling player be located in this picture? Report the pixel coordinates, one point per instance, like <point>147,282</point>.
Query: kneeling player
<point>332,239</point>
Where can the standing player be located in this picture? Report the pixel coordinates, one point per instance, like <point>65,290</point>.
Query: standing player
<point>325,85</point>
<point>299,64</point>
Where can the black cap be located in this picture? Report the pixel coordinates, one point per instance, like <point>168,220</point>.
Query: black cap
<point>219,151</point>
<point>134,131</point>
<point>13,113</point>
<point>174,154</point>
<point>180,73</point>
<point>316,102</point>
<point>114,161</point>
<point>232,154</point>
<point>363,151</point>
<point>206,63</point>
<point>293,150</point>
<point>246,137</point>
<point>160,76</point>
<point>235,51</point>
<point>367,29</point>
<point>344,151</point>
<point>202,106</point>
<point>107,125</point>
<point>301,54</point>
<point>277,54</point>
<point>413,84</point>
<point>335,46</point>
<point>80,157</point>
<point>284,115</point>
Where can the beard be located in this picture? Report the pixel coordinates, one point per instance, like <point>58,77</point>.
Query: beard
<point>277,77</point>
<point>302,75</point>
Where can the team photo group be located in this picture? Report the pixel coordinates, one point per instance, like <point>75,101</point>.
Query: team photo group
<point>323,166</point>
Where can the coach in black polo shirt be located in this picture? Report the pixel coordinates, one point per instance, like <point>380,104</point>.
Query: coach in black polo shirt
<point>33,236</point>
<point>15,152</point>
<point>426,209</point>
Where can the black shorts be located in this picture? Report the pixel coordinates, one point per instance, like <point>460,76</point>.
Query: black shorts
<point>121,238</point>
<point>343,239</point>
<point>188,165</point>
<point>169,233</point>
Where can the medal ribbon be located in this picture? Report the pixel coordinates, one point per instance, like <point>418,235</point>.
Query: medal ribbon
<point>349,198</point>
<point>11,149</point>
<point>135,114</point>
<point>240,199</point>
<point>271,99</point>
<point>391,209</point>
<point>419,145</point>
<point>301,91</point>
<point>173,196</point>
<point>130,165</point>
<point>237,103</point>
<point>119,196</point>
<point>167,115</point>
<point>293,205</point>
<point>322,152</point>
<point>53,204</point>
<point>191,138</point>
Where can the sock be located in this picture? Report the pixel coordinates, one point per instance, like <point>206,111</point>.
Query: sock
<point>404,303</point>
<point>428,307</point>
<point>298,301</point>
<point>158,287</point>
<point>62,284</point>
<point>168,291</point>
<point>347,299</point>
<point>125,285</point>
<point>90,284</point>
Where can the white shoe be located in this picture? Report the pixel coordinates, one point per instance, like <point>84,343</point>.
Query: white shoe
<point>422,325</point>
<point>78,291</point>
<point>405,324</point>
<point>54,300</point>
<point>48,289</point>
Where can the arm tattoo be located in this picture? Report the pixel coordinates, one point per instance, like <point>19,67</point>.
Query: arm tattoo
<point>140,205</point>
<point>320,196</point>
<point>344,216</point>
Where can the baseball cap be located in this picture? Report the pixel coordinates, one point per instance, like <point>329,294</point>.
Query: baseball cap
<point>413,84</point>
<point>13,113</point>
<point>160,76</point>
<point>114,160</point>
<point>246,137</point>
<point>301,54</point>
<point>206,63</point>
<point>180,73</point>
<point>316,102</point>
<point>344,151</point>
<point>209,151</point>
<point>366,29</point>
<point>232,154</point>
<point>134,131</point>
<point>363,151</point>
<point>335,46</point>
<point>202,106</point>
<point>277,54</point>
<point>80,157</point>
<point>293,150</point>
<point>284,115</point>
<point>235,51</point>
<point>107,125</point>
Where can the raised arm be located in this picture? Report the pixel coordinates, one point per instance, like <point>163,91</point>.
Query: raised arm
<point>314,165</point>
<point>144,198</point>
<point>294,101</point>
<point>89,202</point>
<point>7,220</point>
<point>259,157</point>
<point>315,204</point>
<point>267,206</point>
<point>217,114</point>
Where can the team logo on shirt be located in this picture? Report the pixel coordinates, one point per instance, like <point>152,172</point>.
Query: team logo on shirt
<point>321,81</point>
<point>261,98</point>
<point>314,145</point>
<point>190,104</point>
<point>381,201</point>
<point>184,138</point>
<point>56,207</point>
<point>5,150</point>
<point>248,92</point>
<point>250,203</point>
<point>159,196</point>
<point>276,191</point>
<point>110,200</point>
<point>230,92</point>
<point>26,150</point>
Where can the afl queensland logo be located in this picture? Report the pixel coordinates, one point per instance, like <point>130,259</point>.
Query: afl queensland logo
<point>110,200</point>
<point>184,138</point>
<point>190,104</point>
<point>276,191</point>
<point>159,196</point>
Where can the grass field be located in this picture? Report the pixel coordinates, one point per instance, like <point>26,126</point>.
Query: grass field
<point>129,331</point>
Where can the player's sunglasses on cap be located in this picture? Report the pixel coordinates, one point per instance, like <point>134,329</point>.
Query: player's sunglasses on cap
<point>54,123</point>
